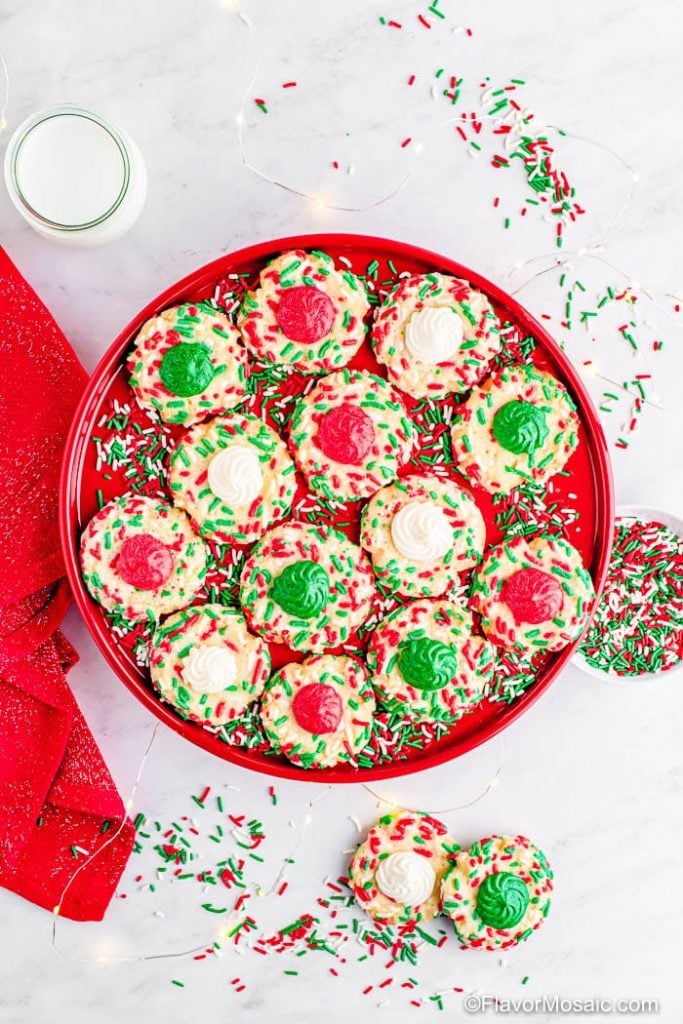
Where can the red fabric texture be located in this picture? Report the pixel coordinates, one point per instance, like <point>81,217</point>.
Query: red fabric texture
<point>58,803</point>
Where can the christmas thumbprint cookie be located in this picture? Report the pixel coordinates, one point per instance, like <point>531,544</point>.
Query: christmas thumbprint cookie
<point>141,558</point>
<point>304,313</point>
<point>188,363</point>
<point>319,712</point>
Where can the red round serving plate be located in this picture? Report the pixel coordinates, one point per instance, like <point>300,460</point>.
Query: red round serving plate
<point>109,416</point>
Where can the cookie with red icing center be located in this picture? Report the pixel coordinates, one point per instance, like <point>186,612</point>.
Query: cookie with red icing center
<point>144,562</point>
<point>304,312</point>
<point>350,435</point>
<point>317,708</point>
<point>318,713</point>
<point>141,558</point>
<point>346,434</point>
<point>533,594</point>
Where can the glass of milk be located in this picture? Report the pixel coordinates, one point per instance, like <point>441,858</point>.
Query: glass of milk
<point>74,176</point>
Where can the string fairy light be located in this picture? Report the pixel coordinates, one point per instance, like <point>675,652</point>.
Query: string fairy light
<point>317,200</point>
<point>235,6</point>
<point>252,888</point>
<point>519,124</point>
<point>488,787</point>
<point>85,863</point>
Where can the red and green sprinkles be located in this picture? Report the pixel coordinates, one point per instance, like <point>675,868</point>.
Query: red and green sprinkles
<point>220,854</point>
<point>638,622</point>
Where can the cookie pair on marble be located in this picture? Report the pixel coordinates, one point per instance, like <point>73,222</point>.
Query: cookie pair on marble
<point>409,869</point>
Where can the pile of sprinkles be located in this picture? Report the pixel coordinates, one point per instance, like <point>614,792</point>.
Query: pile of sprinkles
<point>531,509</point>
<point>638,623</point>
<point>131,445</point>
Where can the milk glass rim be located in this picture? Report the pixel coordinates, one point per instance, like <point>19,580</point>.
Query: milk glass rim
<point>32,122</point>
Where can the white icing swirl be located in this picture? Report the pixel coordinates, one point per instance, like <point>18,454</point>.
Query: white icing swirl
<point>235,475</point>
<point>209,669</point>
<point>421,532</point>
<point>434,334</point>
<point>406,878</point>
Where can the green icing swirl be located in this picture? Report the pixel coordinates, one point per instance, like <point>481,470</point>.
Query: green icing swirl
<point>502,900</point>
<point>186,368</point>
<point>302,589</point>
<point>520,427</point>
<point>427,664</point>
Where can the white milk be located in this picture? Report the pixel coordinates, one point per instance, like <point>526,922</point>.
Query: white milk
<point>75,177</point>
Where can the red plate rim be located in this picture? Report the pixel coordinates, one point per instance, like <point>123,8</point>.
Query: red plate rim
<point>70,476</point>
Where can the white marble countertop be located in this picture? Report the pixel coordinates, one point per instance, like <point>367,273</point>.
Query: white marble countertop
<point>592,772</point>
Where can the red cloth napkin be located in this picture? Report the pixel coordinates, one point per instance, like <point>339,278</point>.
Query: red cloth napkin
<point>58,803</point>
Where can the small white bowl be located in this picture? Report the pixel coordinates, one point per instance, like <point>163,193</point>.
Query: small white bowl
<point>647,514</point>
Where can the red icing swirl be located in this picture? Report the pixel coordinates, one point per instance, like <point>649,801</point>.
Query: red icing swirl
<point>305,313</point>
<point>144,562</point>
<point>346,434</point>
<point>532,595</point>
<point>317,708</point>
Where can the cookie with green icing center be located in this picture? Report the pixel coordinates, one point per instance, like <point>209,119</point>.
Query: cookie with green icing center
<point>520,427</point>
<point>427,664</point>
<point>502,900</point>
<point>186,368</point>
<point>302,589</point>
